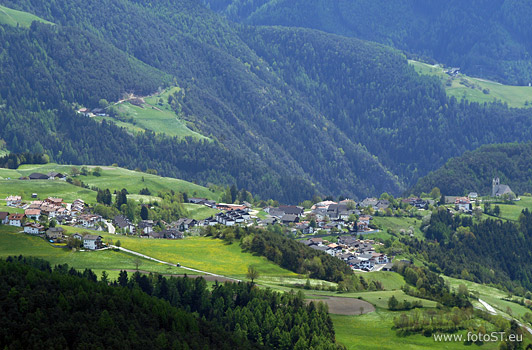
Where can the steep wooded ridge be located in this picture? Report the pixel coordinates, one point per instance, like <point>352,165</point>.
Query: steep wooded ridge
<point>474,171</point>
<point>62,308</point>
<point>490,39</point>
<point>292,111</point>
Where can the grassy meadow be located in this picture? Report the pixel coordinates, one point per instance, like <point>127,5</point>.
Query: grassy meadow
<point>113,178</point>
<point>374,331</point>
<point>472,89</point>
<point>203,253</point>
<point>12,242</point>
<point>492,296</point>
<point>199,212</point>
<point>155,114</point>
<point>18,18</point>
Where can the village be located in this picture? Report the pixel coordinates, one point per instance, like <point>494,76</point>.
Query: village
<point>346,221</point>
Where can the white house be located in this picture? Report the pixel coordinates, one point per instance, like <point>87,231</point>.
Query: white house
<point>92,242</point>
<point>463,204</point>
<point>33,229</point>
<point>13,201</point>
<point>16,220</point>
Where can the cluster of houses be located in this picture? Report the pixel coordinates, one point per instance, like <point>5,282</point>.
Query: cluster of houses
<point>50,208</point>
<point>229,215</point>
<point>325,216</point>
<point>358,254</point>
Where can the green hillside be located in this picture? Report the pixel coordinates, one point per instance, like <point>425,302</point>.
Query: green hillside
<point>113,178</point>
<point>290,112</point>
<point>14,243</point>
<point>474,171</point>
<point>477,90</point>
<point>490,39</point>
<point>152,113</point>
<point>16,18</point>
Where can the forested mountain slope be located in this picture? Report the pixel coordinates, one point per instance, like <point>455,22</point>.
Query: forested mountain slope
<point>491,39</point>
<point>292,111</point>
<point>474,171</point>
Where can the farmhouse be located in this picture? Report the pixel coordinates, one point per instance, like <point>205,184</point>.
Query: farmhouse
<point>38,176</point>
<point>53,175</point>
<point>16,220</point>
<point>13,201</point>
<point>33,229</point>
<point>463,204</point>
<point>92,242</point>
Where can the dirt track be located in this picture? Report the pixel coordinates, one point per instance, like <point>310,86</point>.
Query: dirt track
<point>345,306</point>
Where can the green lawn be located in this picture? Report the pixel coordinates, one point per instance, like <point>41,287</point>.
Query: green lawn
<point>203,253</point>
<point>374,331</point>
<point>199,212</point>
<point>13,17</point>
<point>14,243</point>
<point>472,89</point>
<point>114,178</point>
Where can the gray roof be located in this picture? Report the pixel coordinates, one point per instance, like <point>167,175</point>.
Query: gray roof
<point>289,218</point>
<point>91,237</point>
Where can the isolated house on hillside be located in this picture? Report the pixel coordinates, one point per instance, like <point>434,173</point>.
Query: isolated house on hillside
<point>53,175</point>
<point>498,189</point>
<point>38,176</point>
<point>92,242</point>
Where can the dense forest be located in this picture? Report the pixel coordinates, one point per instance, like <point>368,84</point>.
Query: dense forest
<point>291,111</point>
<point>62,308</point>
<point>474,171</point>
<point>489,251</point>
<point>490,39</point>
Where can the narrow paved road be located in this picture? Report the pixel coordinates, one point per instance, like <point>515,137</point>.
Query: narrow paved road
<point>492,311</point>
<point>488,307</point>
<point>172,264</point>
<point>110,228</point>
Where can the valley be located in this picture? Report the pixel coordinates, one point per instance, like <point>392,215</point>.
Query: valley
<point>265,174</point>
